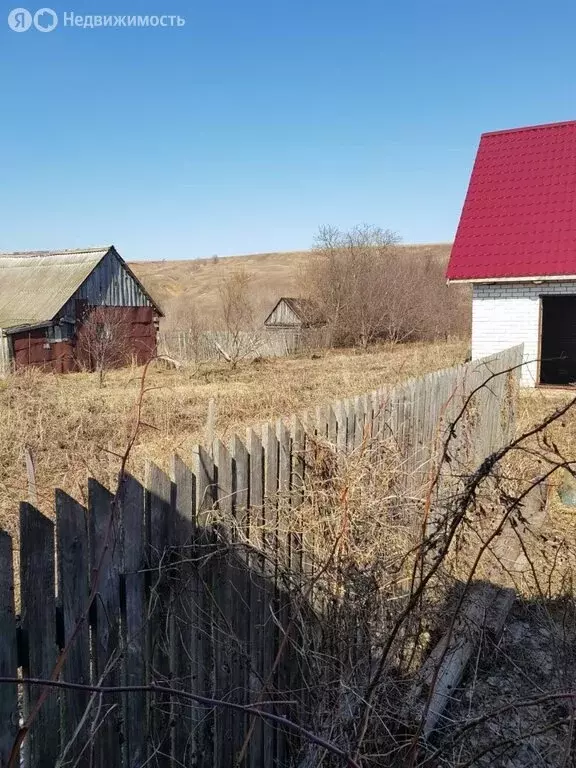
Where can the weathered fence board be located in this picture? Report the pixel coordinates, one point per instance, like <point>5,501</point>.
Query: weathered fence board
<point>160,516</point>
<point>8,650</point>
<point>182,618</point>
<point>194,573</point>
<point>73,588</point>
<point>105,562</point>
<point>38,622</point>
<point>134,619</point>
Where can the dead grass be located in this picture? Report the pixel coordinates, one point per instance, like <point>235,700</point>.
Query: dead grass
<point>554,552</point>
<point>76,429</point>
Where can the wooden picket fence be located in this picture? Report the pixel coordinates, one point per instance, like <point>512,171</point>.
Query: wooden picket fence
<point>189,346</point>
<point>193,347</point>
<point>189,577</point>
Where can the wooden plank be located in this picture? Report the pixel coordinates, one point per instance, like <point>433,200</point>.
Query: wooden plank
<point>38,624</point>
<point>8,650</point>
<point>182,661</point>
<point>297,494</point>
<point>223,476</point>
<point>105,558</point>
<point>359,416</point>
<point>321,419</point>
<point>270,448</point>
<point>284,479</point>
<point>350,424</point>
<point>160,519</point>
<point>134,624</point>
<point>183,651</point>
<point>342,424</point>
<point>332,426</point>
<point>257,597</point>
<point>241,586</point>
<point>205,502</point>
<point>372,415</point>
<point>226,657</point>
<point>283,555</point>
<point>73,592</point>
<point>269,630</point>
<point>241,485</point>
<point>205,486</point>
<point>254,445</point>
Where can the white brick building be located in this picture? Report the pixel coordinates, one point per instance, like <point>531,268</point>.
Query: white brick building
<point>516,242</point>
<point>506,314</point>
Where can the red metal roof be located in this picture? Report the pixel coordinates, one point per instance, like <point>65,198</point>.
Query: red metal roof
<point>519,216</point>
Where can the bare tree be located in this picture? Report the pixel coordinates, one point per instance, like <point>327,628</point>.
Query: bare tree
<point>347,275</point>
<point>369,289</point>
<point>103,340</point>
<point>237,316</point>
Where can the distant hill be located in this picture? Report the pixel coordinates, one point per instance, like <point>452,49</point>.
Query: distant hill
<point>274,275</point>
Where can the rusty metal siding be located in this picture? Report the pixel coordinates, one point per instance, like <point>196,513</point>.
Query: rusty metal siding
<point>284,316</point>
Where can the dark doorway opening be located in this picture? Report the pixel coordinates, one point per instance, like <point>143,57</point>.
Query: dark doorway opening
<point>558,341</point>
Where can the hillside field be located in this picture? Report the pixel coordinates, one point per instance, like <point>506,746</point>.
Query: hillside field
<point>273,275</point>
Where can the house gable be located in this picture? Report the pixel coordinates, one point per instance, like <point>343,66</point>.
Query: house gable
<point>112,284</point>
<point>39,288</point>
<point>517,220</point>
<point>290,312</point>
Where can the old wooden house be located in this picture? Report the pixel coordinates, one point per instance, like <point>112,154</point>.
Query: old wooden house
<point>295,314</point>
<point>47,297</point>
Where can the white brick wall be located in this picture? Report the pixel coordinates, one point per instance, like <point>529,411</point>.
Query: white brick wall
<point>506,314</point>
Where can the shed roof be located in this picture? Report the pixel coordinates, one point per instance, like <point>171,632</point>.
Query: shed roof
<point>305,309</point>
<point>34,286</point>
<point>519,215</point>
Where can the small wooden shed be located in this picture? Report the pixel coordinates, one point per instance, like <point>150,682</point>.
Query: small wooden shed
<point>295,314</point>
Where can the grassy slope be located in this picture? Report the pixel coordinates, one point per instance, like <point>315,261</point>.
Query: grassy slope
<point>274,275</point>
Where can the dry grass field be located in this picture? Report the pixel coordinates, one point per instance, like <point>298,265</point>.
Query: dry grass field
<point>273,275</point>
<point>75,429</point>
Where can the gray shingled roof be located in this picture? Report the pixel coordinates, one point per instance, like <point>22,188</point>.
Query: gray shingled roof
<point>35,286</point>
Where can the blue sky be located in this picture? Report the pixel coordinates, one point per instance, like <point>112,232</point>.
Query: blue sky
<point>260,120</point>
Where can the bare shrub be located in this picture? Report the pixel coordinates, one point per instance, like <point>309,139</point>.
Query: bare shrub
<point>103,340</point>
<point>370,289</point>
<point>237,316</point>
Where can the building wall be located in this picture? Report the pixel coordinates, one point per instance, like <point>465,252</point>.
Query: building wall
<point>506,314</point>
<point>284,317</point>
<point>110,285</point>
<point>133,336</point>
<point>34,348</point>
